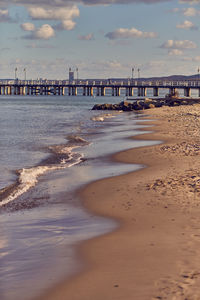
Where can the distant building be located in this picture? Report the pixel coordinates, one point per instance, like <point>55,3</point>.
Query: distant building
<point>71,75</point>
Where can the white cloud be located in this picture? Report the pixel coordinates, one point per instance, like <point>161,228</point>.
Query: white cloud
<point>175,52</point>
<point>189,1</point>
<point>3,12</point>
<point>190,12</point>
<point>28,26</point>
<point>194,59</point>
<point>68,24</point>
<point>185,44</point>
<point>41,13</point>
<point>175,10</point>
<point>65,15</point>
<point>187,12</point>
<point>125,33</point>
<point>63,3</point>
<point>88,37</point>
<point>4,15</point>
<point>44,32</point>
<point>187,25</point>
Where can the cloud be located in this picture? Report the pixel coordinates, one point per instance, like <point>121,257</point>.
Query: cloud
<point>193,59</point>
<point>103,2</point>
<point>187,12</point>
<point>187,25</point>
<point>190,12</point>
<point>4,15</point>
<point>42,13</point>
<point>175,52</point>
<point>189,1</point>
<point>88,37</point>
<point>65,25</point>
<point>65,15</point>
<point>185,44</point>
<point>125,33</point>
<point>63,3</point>
<point>28,27</point>
<point>44,32</point>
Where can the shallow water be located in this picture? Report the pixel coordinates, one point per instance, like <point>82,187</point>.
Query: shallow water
<point>49,147</point>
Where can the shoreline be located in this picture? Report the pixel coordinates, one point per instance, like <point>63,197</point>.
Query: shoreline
<point>149,255</point>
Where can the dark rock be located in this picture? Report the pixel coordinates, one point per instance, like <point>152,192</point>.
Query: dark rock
<point>169,100</point>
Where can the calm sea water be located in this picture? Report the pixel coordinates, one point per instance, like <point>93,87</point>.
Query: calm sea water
<point>49,147</point>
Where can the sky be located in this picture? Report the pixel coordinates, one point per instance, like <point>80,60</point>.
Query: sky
<point>100,38</point>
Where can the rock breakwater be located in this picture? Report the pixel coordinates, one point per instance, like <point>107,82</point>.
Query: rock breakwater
<point>146,104</point>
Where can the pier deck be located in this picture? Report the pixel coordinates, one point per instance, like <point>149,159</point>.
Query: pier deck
<point>95,87</point>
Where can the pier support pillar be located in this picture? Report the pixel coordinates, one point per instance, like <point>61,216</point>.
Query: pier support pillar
<point>48,90</point>
<point>9,90</point>
<point>187,92</point>
<point>84,91</point>
<point>156,92</point>
<point>131,90</point>
<point>113,91</point>
<point>103,91</point>
<point>118,91</point>
<point>74,91</point>
<point>172,91</point>
<point>142,92</point>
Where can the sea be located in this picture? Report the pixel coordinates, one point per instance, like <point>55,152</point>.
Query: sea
<point>50,147</point>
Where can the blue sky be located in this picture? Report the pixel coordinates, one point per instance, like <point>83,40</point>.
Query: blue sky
<point>102,38</point>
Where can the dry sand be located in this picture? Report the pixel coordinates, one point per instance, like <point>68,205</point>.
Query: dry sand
<point>155,253</point>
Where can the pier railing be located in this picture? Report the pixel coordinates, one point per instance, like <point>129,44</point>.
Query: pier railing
<point>89,87</point>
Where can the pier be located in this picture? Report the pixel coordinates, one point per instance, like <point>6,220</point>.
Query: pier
<point>128,87</point>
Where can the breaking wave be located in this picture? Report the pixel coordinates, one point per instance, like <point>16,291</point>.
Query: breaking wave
<point>102,117</point>
<point>61,157</point>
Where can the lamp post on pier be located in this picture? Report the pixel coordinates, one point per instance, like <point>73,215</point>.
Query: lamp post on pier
<point>24,73</point>
<point>198,70</point>
<point>77,74</point>
<point>15,73</point>
<point>132,74</point>
<point>138,73</point>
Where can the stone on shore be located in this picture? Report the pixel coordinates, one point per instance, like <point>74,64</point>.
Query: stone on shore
<point>147,103</point>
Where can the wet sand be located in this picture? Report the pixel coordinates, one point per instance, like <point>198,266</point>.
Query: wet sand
<point>154,254</point>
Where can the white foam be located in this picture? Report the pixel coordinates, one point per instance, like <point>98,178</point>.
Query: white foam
<point>102,117</point>
<point>28,178</point>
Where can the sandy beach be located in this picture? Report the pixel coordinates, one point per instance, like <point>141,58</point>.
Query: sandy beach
<point>154,253</point>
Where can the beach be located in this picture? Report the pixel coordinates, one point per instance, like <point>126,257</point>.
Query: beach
<point>154,252</point>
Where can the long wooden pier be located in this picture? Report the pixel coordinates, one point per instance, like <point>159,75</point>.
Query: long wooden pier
<point>96,87</point>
